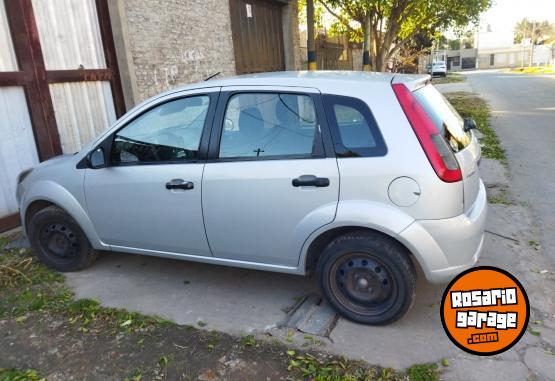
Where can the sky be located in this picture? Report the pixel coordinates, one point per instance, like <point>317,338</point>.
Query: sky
<point>504,14</point>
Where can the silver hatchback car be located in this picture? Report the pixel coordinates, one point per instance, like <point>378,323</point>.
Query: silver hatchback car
<point>359,177</point>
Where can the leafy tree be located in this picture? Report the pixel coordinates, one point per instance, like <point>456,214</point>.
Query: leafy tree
<point>391,25</point>
<point>543,31</point>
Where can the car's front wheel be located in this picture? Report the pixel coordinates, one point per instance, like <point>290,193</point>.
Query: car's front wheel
<point>367,277</point>
<point>59,242</point>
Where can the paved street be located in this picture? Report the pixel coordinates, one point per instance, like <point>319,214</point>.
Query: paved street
<point>524,110</point>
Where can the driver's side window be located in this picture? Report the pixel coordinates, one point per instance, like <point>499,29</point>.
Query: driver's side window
<point>169,132</point>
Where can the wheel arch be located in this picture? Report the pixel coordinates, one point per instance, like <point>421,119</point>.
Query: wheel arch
<point>47,193</point>
<point>319,243</point>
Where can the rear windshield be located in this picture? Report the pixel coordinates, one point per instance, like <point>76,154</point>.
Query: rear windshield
<point>446,119</point>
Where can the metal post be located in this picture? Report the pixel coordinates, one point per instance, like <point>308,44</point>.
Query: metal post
<point>311,51</point>
<point>523,46</point>
<point>532,42</point>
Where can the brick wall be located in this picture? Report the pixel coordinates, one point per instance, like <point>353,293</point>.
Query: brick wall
<point>162,44</point>
<point>166,43</point>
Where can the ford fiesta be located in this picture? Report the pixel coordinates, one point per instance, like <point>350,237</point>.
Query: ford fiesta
<point>358,177</point>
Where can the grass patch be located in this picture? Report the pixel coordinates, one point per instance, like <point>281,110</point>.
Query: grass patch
<point>498,199</point>
<point>28,286</point>
<point>423,372</point>
<point>534,245</point>
<point>248,341</point>
<point>470,105</point>
<point>308,367</point>
<point>533,70</point>
<point>450,78</point>
<point>19,375</point>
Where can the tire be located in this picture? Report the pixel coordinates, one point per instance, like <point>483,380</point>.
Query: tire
<point>367,277</point>
<point>59,242</point>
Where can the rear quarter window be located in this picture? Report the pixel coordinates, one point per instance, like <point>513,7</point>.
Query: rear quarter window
<point>446,119</point>
<point>354,130</point>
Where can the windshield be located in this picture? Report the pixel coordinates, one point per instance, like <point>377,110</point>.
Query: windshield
<point>446,119</point>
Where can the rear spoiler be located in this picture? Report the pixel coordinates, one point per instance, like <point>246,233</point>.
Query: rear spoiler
<point>412,81</point>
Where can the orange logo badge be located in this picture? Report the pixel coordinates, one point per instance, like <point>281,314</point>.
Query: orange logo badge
<point>485,310</point>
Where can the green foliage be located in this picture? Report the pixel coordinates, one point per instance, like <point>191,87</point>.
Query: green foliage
<point>423,372</point>
<point>19,375</point>
<point>543,31</point>
<point>248,341</point>
<point>450,78</point>
<point>394,24</point>
<point>309,367</point>
<point>28,286</point>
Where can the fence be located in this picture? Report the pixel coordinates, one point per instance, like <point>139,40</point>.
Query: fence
<point>335,53</point>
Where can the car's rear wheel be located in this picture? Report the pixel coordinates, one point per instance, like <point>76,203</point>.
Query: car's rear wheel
<point>59,242</point>
<point>367,277</point>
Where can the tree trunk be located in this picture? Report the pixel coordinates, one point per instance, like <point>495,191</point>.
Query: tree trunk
<point>366,63</point>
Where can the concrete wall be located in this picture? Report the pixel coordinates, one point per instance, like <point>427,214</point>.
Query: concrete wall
<point>162,44</point>
<point>503,58</point>
<point>291,38</point>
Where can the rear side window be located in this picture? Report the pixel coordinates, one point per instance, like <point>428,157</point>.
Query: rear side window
<point>354,130</point>
<point>446,119</point>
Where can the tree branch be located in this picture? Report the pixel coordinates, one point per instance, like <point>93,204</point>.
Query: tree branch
<point>338,16</point>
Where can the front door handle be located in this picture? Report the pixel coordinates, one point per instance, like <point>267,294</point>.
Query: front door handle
<point>311,181</point>
<point>179,184</point>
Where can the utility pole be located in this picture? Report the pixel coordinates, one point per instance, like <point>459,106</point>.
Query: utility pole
<point>310,47</point>
<point>523,46</point>
<point>532,42</point>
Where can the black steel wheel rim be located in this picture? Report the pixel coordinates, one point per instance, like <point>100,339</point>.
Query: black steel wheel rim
<point>363,284</point>
<point>59,241</point>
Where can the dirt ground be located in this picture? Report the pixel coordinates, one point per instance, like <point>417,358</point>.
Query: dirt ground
<point>59,352</point>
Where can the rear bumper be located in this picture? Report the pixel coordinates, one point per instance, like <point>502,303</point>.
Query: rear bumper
<point>446,247</point>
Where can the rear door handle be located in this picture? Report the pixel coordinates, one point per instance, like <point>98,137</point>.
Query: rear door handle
<point>179,184</point>
<point>311,181</point>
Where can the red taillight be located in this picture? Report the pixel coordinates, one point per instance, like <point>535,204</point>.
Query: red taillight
<point>434,145</point>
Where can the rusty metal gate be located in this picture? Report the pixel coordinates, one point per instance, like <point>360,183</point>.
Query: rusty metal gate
<point>59,84</point>
<point>256,27</point>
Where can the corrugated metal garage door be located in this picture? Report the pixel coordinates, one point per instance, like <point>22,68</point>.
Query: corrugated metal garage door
<point>256,26</point>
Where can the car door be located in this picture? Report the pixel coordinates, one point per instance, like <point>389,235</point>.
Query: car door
<point>148,197</point>
<point>268,183</point>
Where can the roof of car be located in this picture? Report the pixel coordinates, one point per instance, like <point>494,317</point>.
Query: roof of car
<point>319,79</point>
<point>304,79</point>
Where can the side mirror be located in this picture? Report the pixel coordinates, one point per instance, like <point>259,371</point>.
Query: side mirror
<point>469,124</point>
<point>97,159</point>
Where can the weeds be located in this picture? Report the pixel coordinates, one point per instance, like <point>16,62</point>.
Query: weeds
<point>470,105</point>
<point>307,366</point>
<point>19,375</point>
<point>248,341</point>
<point>27,286</point>
<point>498,199</point>
<point>450,78</point>
<point>534,244</point>
<point>423,372</point>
